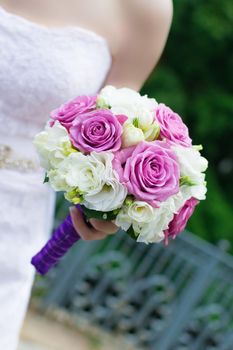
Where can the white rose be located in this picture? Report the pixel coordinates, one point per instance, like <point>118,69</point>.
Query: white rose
<point>141,212</point>
<point>53,145</point>
<point>131,135</point>
<point>152,230</point>
<point>137,212</point>
<point>147,222</point>
<point>192,165</point>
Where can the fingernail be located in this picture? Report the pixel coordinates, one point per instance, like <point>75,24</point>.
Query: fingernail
<point>72,209</point>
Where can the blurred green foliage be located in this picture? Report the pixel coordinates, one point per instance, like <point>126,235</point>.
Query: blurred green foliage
<point>194,78</point>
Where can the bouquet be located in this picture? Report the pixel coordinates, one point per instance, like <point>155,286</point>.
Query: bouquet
<point>123,157</point>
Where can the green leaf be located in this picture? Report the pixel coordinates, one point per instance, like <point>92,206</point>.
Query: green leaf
<point>46,178</point>
<point>198,147</point>
<point>135,122</point>
<point>94,214</point>
<point>132,233</point>
<point>185,180</point>
<point>100,103</point>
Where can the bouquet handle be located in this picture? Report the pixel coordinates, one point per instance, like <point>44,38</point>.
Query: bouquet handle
<point>64,237</point>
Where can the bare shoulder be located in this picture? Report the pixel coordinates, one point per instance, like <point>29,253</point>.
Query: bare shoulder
<point>152,12</point>
<point>148,25</point>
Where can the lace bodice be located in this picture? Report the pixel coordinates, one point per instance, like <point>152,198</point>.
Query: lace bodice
<point>40,68</point>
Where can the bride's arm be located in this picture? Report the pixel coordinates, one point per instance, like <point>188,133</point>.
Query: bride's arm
<point>148,24</point>
<point>147,30</point>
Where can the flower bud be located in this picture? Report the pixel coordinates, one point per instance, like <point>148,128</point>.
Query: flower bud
<point>131,135</point>
<point>152,132</point>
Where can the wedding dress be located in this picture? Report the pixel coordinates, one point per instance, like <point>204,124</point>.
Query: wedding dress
<point>40,68</point>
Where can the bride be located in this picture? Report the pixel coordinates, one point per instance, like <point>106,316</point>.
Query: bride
<point>52,51</point>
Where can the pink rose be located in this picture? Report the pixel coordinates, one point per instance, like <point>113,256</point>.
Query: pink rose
<point>150,171</point>
<point>97,130</point>
<point>70,110</point>
<point>180,219</point>
<point>172,127</point>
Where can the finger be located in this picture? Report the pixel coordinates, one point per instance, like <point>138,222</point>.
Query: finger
<point>104,226</point>
<point>81,227</point>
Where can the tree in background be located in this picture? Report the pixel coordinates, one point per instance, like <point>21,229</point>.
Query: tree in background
<point>194,78</point>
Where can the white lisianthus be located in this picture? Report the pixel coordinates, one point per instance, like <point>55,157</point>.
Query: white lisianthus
<point>191,161</point>
<point>53,145</point>
<point>121,99</point>
<point>197,190</point>
<point>112,193</point>
<point>77,171</point>
<point>110,197</point>
<point>57,180</point>
<point>82,172</point>
<point>130,103</point>
<point>176,202</point>
<point>131,135</point>
<point>123,220</point>
<point>192,166</point>
<point>92,177</point>
<point>147,233</point>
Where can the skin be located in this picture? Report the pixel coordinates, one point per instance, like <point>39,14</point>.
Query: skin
<point>136,32</point>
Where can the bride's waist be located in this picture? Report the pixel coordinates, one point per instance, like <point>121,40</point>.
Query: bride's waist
<point>18,153</point>
<point>22,145</point>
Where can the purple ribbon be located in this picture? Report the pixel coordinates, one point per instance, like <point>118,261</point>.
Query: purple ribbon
<point>62,240</point>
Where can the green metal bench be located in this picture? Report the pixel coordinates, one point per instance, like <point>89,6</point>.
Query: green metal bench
<point>174,298</point>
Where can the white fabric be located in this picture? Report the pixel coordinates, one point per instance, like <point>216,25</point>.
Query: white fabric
<point>40,68</point>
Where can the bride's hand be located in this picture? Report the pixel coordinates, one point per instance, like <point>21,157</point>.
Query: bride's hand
<point>100,230</point>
